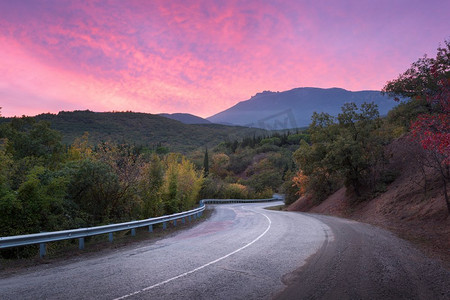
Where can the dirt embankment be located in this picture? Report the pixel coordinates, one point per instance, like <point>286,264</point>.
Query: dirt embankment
<point>411,207</point>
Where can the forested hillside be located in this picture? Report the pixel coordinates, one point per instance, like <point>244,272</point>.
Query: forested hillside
<point>141,129</point>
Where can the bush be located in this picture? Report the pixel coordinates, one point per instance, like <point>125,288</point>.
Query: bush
<point>235,191</point>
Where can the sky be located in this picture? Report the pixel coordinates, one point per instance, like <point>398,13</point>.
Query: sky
<point>202,57</point>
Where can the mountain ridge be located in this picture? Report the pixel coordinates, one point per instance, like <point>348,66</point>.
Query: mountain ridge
<point>185,118</point>
<point>294,108</point>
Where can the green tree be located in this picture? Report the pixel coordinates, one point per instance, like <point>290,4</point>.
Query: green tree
<point>313,160</point>
<point>206,162</point>
<point>358,147</point>
<point>151,187</point>
<point>349,148</point>
<point>26,137</point>
<point>95,188</point>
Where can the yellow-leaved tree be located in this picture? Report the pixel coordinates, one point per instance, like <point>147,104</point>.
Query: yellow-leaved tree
<point>182,184</point>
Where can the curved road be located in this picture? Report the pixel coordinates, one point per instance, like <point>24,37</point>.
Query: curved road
<point>246,252</point>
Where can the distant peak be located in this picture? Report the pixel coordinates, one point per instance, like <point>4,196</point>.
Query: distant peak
<point>263,93</point>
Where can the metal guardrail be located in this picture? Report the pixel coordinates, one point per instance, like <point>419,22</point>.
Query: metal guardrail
<point>223,201</point>
<point>81,233</point>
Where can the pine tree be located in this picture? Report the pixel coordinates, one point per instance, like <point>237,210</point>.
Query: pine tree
<point>206,162</point>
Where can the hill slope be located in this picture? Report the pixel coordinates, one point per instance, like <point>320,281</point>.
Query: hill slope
<point>186,118</point>
<point>294,108</point>
<point>141,129</point>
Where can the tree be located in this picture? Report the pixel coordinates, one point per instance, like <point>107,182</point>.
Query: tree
<point>80,148</point>
<point>312,158</point>
<point>26,137</point>
<point>182,184</point>
<point>358,147</point>
<point>189,183</point>
<point>429,79</point>
<point>348,147</point>
<point>95,188</point>
<point>220,163</point>
<point>206,163</point>
<point>150,187</point>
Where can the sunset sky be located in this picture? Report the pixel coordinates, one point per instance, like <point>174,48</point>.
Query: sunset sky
<point>202,57</point>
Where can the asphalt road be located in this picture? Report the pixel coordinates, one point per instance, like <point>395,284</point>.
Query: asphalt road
<point>365,262</point>
<point>245,252</point>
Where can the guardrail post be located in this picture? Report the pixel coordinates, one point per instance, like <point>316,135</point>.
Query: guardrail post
<point>189,218</point>
<point>164,225</point>
<point>81,243</point>
<point>110,237</point>
<point>183,220</point>
<point>150,228</point>
<point>133,231</point>
<point>174,222</point>
<point>42,250</point>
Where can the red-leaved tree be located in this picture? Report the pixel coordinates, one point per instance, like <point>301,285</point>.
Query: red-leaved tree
<point>429,79</point>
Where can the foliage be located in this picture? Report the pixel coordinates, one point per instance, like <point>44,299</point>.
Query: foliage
<point>182,184</point>
<point>26,137</point>
<point>300,181</point>
<point>95,189</point>
<point>150,187</point>
<point>235,191</point>
<point>45,186</point>
<point>347,147</point>
<point>219,165</point>
<point>406,112</point>
<point>428,79</point>
<point>80,148</point>
<point>258,163</point>
<point>206,163</point>
<point>157,133</point>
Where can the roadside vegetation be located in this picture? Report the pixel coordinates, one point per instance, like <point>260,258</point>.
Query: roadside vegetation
<point>48,184</point>
<point>350,149</point>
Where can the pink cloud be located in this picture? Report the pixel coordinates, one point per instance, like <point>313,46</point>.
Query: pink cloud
<point>202,57</point>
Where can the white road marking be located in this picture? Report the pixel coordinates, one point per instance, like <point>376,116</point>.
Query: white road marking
<point>205,265</point>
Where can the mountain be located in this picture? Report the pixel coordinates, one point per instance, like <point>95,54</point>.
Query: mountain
<point>294,108</point>
<point>186,118</point>
<point>142,129</point>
